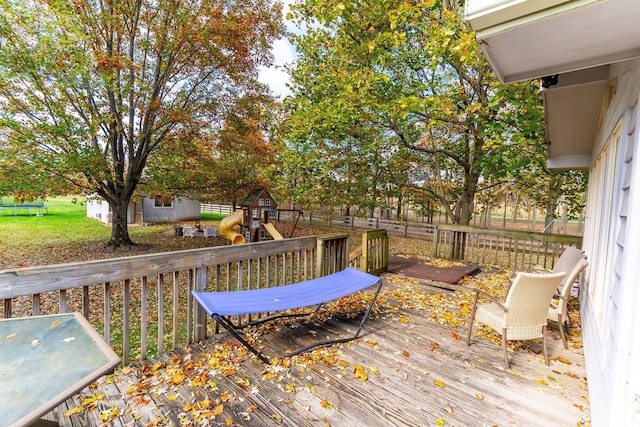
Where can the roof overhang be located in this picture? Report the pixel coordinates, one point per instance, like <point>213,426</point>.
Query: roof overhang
<point>529,39</point>
<point>572,112</point>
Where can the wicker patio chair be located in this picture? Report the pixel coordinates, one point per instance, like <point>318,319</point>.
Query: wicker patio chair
<point>558,311</point>
<point>523,315</point>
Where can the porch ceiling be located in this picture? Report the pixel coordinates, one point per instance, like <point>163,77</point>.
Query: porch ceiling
<point>522,41</point>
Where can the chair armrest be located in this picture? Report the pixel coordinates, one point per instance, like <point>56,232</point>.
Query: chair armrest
<point>492,299</point>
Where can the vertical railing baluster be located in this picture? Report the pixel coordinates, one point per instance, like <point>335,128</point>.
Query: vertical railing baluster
<point>160,314</point>
<point>143,318</point>
<point>126,301</point>
<point>63,300</point>
<point>7,308</point>
<point>176,310</point>
<point>85,302</point>
<point>35,304</point>
<point>200,320</point>
<point>106,321</point>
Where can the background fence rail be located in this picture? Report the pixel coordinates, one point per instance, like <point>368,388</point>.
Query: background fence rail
<point>506,248</point>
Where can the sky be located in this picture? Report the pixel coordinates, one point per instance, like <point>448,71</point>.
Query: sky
<point>275,76</point>
<point>284,53</point>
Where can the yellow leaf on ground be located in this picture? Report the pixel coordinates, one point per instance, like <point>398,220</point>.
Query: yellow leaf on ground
<point>359,373</point>
<point>438,383</point>
<point>178,378</point>
<point>563,360</point>
<point>72,411</point>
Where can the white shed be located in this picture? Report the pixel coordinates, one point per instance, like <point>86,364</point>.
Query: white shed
<point>148,210</point>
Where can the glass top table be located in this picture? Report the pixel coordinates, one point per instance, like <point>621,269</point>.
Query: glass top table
<point>46,359</point>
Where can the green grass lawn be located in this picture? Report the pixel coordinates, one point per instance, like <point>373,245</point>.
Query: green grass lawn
<point>65,234</point>
<point>66,221</point>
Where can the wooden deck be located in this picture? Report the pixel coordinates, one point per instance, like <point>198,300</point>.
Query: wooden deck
<point>406,370</point>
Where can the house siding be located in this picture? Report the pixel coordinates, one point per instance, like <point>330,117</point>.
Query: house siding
<point>182,209</point>
<point>610,297</point>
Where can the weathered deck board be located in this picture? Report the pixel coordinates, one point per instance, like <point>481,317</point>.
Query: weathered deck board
<point>424,377</point>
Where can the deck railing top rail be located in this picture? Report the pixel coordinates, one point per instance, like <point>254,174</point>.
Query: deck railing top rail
<point>34,280</point>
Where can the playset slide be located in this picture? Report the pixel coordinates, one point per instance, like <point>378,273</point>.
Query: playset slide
<point>226,228</point>
<point>272,230</point>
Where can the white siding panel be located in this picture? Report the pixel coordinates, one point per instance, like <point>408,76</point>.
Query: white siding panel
<point>609,309</point>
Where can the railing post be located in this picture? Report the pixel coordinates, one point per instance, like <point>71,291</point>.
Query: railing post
<point>436,241</point>
<point>320,258</point>
<point>364,263</point>
<point>200,316</point>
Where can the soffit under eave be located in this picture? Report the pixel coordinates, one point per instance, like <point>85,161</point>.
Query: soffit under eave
<point>572,118</point>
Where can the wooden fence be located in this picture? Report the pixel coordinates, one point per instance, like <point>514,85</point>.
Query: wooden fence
<point>216,208</point>
<point>398,228</point>
<point>506,248</point>
<point>142,304</point>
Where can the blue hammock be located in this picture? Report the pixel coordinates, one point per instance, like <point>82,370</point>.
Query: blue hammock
<point>220,305</point>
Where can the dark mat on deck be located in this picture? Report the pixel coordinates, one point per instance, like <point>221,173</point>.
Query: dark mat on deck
<point>418,268</point>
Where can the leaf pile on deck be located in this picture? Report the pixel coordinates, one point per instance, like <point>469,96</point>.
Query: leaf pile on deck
<point>190,380</point>
<point>453,309</point>
<point>182,378</point>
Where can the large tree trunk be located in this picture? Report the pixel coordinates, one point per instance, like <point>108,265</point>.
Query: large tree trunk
<point>465,213</point>
<point>555,191</point>
<point>119,225</point>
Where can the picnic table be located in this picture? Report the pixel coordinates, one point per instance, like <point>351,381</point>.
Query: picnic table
<point>46,359</point>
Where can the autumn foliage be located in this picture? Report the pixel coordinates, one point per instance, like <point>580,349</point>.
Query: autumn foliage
<point>91,91</point>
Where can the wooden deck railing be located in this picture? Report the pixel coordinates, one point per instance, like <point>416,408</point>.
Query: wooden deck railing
<point>142,304</point>
<point>506,248</point>
<point>373,255</point>
<point>375,251</point>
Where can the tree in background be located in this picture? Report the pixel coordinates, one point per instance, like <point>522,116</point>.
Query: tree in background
<point>414,71</point>
<point>227,163</point>
<point>91,91</point>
